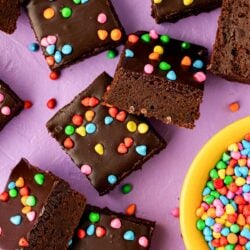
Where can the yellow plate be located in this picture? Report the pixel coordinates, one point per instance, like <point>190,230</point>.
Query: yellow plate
<point>197,177</point>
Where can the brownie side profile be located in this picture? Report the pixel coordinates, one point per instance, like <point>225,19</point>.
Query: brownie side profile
<point>160,77</point>
<point>70,31</point>
<point>9,13</point>
<point>172,11</point>
<point>230,57</point>
<point>106,143</point>
<point>10,104</point>
<point>38,210</point>
<point>101,228</point>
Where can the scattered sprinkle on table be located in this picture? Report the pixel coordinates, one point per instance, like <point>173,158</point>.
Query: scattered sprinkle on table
<point>131,209</point>
<point>234,106</point>
<point>51,104</point>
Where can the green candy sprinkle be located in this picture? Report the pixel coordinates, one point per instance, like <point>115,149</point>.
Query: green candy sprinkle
<point>112,54</point>
<point>165,38</point>
<point>164,66</point>
<point>213,174</point>
<point>235,228</point>
<point>210,185</point>
<point>185,45</point>
<point>77,1</point>
<point>94,217</point>
<point>200,225</point>
<point>66,12</point>
<point>215,194</point>
<point>145,38</point>
<point>230,247</point>
<point>69,130</point>
<point>221,165</point>
<point>13,193</point>
<point>226,157</point>
<point>208,199</point>
<point>31,201</point>
<point>228,180</point>
<point>126,188</point>
<point>39,179</point>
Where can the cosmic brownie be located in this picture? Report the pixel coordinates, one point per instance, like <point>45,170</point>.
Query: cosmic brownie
<point>73,30</point>
<point>172,11</point>
<point>10,104</point>
<point>231,53</point>
<point>160,77</point>
<point>105,229</point>
<point>38,210</point>
<point>106,143</point>
<point>9,13</point>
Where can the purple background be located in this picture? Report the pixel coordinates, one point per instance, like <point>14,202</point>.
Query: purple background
<point>157,187</point>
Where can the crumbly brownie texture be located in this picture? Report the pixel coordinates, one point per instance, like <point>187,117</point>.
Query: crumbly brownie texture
<point>105,229</point>
<point>106,143</point>
<point>73,30</point>
<point>9,13</point>
<point>38,210</point>
<point>160,77</point>
<point>10,104</point>
<point>231,53</point>
<point>173,10</point>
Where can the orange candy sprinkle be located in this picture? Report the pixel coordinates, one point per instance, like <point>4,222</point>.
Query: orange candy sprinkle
<point>68,143</point>
<point>154,56</point>
<point>48,13</point>
<point>50,60</point>
<point>26,209</point>
<point>20,182</point>
<point>133,38</point>
<point>102,34</point>
<point>186,61</point>
<point>234,106</point>
<point>23,242</point>
<point>116,35</point>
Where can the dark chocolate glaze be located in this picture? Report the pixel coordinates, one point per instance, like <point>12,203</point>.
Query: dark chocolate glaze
<point>39,232</point>
<point>80,30</point>
<point>114,237</point>
<point>173,10</point>
<point>110,136</point>
<point>12,101</point>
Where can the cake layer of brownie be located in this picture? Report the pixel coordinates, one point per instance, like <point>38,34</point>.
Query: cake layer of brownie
<point>104,229</point>
<point>73,30</point>
<point>172,11</point>
<point>106,143</point>
<point>10,104</point>
<point>160,77</point>
<point>38,210</point>
<point>9,13</point>
<point>231,52</point>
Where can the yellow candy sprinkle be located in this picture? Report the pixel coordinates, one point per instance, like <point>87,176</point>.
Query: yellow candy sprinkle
<point>131,126</point>
<point>48,13</point>
<point>224,216</point>
<point>143,128</point>
<point>26,209</point>
<point>99,149</point>
<point>242,162</point>
<point>23,200</point>
<point>220,221</point>
<point>222,173</point>
<point>221,248</point>
<point>228,224</point>
<point>116,34</point>
<point>187,2</point>
<point>159,49</point>
<point>229,209</point>
<point>102,34</point>
<point>20,182</point>
<point>216,235</point>
<point>240,181</point>
<point>204,216</point>
<point>233,147</point>
<point>81,131</point>
<point>157,1</point>
<point>89,115</point>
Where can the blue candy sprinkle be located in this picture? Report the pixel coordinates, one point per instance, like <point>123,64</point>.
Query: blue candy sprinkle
<point>207,231</point>
<point>211,246</point>
<point>141,150</point>
<point>248,245</point>
<point>225,231</point>
<point>84,1</point>
<point>90,128</point>
<point>112,179</point>
<point>67,49</point>
<point>244,171</point>
<point>51,49</point>
<point>90,230</point>
<point>198,64</point>
<point>245,144</point>
<point>16,220</point>
<point>108,120</point>
<point>70,242</point>
<point>208,238</point>
<point>224,200</point>
<point>129,235</point>
<point>234,205</point>
<point>33,47</point>
<point>246,188</point>
<point>206,191</point>
<point>209,221</point>
<point>237,171</point>
<point>11,185</point>
<point>171,75</point>
<point>129,53</point>
<point>245,233</point>
<point>58,56</point>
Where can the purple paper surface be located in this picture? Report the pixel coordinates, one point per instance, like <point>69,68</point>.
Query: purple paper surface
<point>157,186</point>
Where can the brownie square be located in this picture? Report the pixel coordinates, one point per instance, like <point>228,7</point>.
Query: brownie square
<point>160,77</point>
<point>10,104</point>
<point>9,13</point>
<point>230,57</point>
<point>104,229</point>
<point>106,143</point>
<point>172,11</point>
<point>38,210</point>
<point>73,30</point>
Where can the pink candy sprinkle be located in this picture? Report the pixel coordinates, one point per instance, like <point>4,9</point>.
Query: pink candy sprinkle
<point>5,110</point>
<point>31,215</point>
<point>248,162</point>
<point>247,196</point>
<point>248,180</point>
<point>51,39</point>
<point>200,77</point>
<point>44,42</point>
<point>230,195</point>
<point>1,97</point>
<point>102,18</point>
<point>86,169</point>
<point>175,212</point>
<point>217,203</point>
<point>1,231</point>
<point>205,206</point>
<point>116,223</point>
<point>239,191</point>
<point>153,34</point>
<point>236,155</point>
<point>148,69</point>
<point>143,241</point>
<point>219,211</point>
